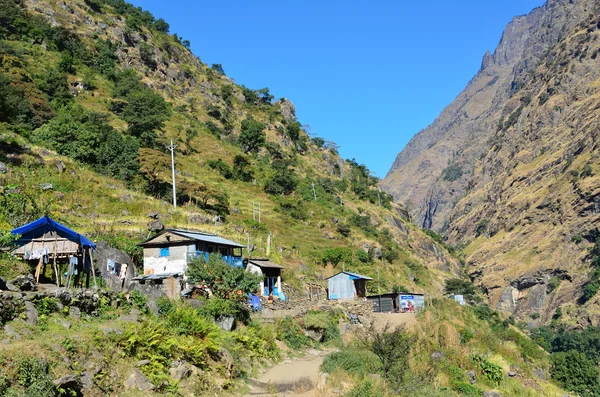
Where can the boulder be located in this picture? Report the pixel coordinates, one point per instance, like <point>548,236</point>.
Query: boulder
<point>74,312</point>
<point>24,283</point>
<point>46,186</point>
<point>68,382</point>
<point>138,380</point>
<point>491,393</point>
<point>236,210</point>
<point>154,215</point>
<point>226,323</point>
<point>181,371</point>
<point>316,335</point>
<point>377,254</point>
<point>437,355</point>
<point>60,166</point>
<point>156,226</point>
<point>226,359</point>
<point>512,374</point>
<point>472,377</point>
<point>10,331</point>
<point>31,313</point>
<point>3,168</point>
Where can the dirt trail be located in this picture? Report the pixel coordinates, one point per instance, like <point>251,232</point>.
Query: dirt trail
<point>409,320</point>
<point>298,377</point>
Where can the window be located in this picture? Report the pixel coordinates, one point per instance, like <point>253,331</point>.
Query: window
<point>164,251</point>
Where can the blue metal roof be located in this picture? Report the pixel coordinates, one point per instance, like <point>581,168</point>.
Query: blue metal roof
<point>354,276</point>
<point>210,238</point>
<point>43,225</point>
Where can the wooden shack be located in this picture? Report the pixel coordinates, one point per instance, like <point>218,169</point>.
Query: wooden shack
<point>46,241</point>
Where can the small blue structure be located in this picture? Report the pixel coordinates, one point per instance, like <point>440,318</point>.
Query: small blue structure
<point>347,285</point>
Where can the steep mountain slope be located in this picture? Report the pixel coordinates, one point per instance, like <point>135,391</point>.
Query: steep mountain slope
<point>520,185</point>
<point>101,87</point>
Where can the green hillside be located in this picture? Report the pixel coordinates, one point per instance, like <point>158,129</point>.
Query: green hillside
<point>103,87</point>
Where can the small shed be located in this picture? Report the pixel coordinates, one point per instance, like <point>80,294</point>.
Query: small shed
<point>411,302</point>
<point>46,240</point>
<point>346,285</point>
<point>458,298</point>
<point>271,271</point>
<point>385,303</point>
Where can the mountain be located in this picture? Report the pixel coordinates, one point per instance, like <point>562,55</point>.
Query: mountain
<point>509,169</point>
<point>94,91</point>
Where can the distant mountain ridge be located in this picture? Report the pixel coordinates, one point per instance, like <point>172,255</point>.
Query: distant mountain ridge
<point>500,170</point>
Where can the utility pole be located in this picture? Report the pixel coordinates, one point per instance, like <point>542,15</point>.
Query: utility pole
<point>379,196</point>
<point>379,290</point>
<point>256,211</point>
<point>172,149</point>
<point>314,192</point>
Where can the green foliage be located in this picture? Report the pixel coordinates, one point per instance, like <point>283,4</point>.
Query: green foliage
<point>363,222</point>
<point>290,332</point>
<point>32,374</point>
<point>363,256</point>
<point>218,68</point>
<point>352,360</point>
<point>481,227</point>
<point>392,347</point>
<point>217,308</point>
<point>102,58</point>
<point>491,371</point>
<point>461,287</point>
<point>323,321</point>
<point>225,281</point>
<point>139,300</point>
<point>257,341</point>
<point>46,305</point>
<point>336,255</point>
<point>293,207</point>
<point>452,173</point>
<point>242,169</point>
<point>87,137</point>
<point>365,389</point>
<point>575,372</point>
<point>147,55</point>
<point>252,136</point>
<point>587,171</point>
<point>553,284</point>
<point>256,226</point>
<point>221,167</point>
<point>283,181</point>
<point>161,25</point>
<point>20,207</point>
<point>484,312</point>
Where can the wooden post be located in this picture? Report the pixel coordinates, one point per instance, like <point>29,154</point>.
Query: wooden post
<point>92,267</point>
<point>55,268</point>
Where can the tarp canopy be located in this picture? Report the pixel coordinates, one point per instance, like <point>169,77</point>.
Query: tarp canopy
<point>38,228</point>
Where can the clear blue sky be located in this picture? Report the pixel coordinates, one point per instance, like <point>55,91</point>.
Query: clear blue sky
<point>367,75</point>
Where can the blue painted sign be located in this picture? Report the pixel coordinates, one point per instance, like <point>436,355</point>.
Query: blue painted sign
<point>407,297</point>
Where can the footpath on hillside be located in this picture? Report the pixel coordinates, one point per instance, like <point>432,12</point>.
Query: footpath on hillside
<point>301,377</point>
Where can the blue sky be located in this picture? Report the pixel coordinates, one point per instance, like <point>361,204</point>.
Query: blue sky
<point>367,75</point>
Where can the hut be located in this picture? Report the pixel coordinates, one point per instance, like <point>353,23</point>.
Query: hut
<point>346,285</point>
<point>271,271</point>
<point>45,240</point>
<point>397,302</point>
<point>169,251</point>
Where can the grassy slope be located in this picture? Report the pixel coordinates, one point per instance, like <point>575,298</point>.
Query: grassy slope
<point>99,205</point>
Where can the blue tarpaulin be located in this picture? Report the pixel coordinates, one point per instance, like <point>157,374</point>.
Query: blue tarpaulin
<point>43,225</point>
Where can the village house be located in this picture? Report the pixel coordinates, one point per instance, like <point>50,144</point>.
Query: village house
<point>168,253</point>
<point>271,271</point>
<point>346,285</point>
<point>46,242</point>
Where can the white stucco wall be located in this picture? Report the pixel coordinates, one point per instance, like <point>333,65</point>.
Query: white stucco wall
<point>176,262</point>
<point>257,270</point>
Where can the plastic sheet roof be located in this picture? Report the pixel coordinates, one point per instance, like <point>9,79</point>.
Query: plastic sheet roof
<point>354,276</point>
<point>38,228</point>
<point>199,236</point>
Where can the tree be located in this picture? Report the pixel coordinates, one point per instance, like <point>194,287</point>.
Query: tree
<point>265,95</point>
<point>145,112</point>
<point>223,280</point>
<point>283,181</point>
<point>461,287</point>
<point>218,68</point>
<point>242,170</point>
<point>575,372</point>
<point>252,136</point>
<point>161,25</point>
<point>155,166</point>
<point>147,55</point>
<point>392,347</point>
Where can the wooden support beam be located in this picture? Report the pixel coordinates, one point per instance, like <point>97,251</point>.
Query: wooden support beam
<point>92,267</point>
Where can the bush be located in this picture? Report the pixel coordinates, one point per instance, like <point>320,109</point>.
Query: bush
<point>283,181</point>
<point>461,287</point>
<point>354,361</point>
<point>217,308</point>
<point>294,208</point>
<point>452,173</point>
<point>365,389</point>
<point>491,371</point>
<point>575,372</point>
<point>225,281</point>
<point>221,167</point>
<point>363,256</point>
<point>336,255</point>
<point>290,332</point>
<point>327,322</point>
<point>252,136</point>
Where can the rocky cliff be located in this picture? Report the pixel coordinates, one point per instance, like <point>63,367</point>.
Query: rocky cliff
<point>509,168</point>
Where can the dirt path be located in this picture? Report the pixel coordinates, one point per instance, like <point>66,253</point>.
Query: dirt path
<point>408,320</point>
<point>298,377</point>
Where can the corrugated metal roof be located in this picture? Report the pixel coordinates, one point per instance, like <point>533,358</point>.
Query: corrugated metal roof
<point>210,238</point>
<point>156,276</point>
<point>265,263</point>
<point>199,236</point>
<point>358,276</point>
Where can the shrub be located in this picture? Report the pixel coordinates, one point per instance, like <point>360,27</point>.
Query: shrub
<point>290,332</point>
<point>336,256</point>
<point>217,308</point>
<point>283,181</point>
<point>481,227</point>
<point>363,256</point>
<point>354,361</point>
<point>452,173</point>
<point>225,281</point>
<point>491,371</point>
<point>575,372</point>
<point>461,287</point>
<point>365,389</point>
<point>252,136</point>
<point>327,322</point>
<point>294,208</point>
<point>221,167</point>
